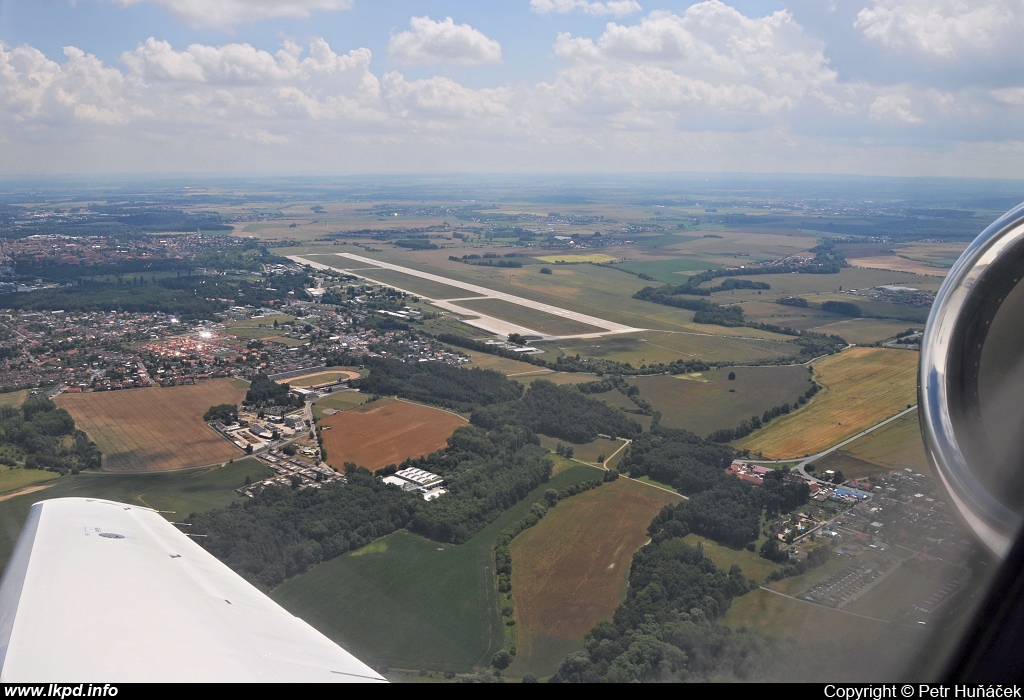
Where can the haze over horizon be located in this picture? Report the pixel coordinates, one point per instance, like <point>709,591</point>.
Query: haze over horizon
<point>233,87</point>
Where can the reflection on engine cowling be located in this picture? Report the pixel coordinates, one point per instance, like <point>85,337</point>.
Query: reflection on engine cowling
<point>972,383</point>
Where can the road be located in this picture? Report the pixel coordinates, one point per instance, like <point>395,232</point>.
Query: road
<point>802,466</point>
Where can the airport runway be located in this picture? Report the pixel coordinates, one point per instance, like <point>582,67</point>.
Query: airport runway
<point>475,318</point>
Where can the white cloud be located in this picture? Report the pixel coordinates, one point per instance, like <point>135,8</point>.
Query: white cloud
<point>35,91</point>
<point>233,93</point>
<point>440,97</point>
<point>242,64</point>
<point>429,42</point>
<point>616,8</point>
<point>225,13</point>
<point>893,108</point>
<point>941,28</point>
<point>711,56</point>
<point>1010,96</point>
<point>702,88</point>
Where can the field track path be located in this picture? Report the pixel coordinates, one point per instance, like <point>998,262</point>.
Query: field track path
<point>24,491</point>
<point>804,461</point>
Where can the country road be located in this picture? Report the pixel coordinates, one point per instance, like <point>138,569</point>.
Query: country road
<point>801,467</point>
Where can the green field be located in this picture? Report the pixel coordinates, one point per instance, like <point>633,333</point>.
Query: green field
<point>290,342</point>
<point>616,398</point>
<point>894,446</point>
<point>662,240</point>
<point>504,365</point>
<point>732,247</point>
<point>796,585</point>
<point>412,603</point>
<point>15,479</point>
<point>254,332</point>
<point>530,318</point>
<point>184,492</point>
<point>800,318</point>
<point>820,644</point>
<point>711,401</point>
<point>666,270</point>
<point>339,400</point>
<point>557,378</point>
<point>576,258</point>
<point>263,329</point>
<point>13,398</point>
<point>863,331</point>
<point>322,378</point>
<point>591,451</point>
<point>654,347</point>
<point>754,566</point>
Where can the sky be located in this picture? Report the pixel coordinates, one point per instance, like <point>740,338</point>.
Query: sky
<point>869,87</point>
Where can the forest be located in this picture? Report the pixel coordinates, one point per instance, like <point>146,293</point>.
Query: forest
<point>437,383</point>
<point>720,507</point>
<point>46,437</point>
<point>264,392</point>
<point>560,412</point>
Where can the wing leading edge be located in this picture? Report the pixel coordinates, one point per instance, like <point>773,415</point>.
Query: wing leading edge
<point>103,591</point>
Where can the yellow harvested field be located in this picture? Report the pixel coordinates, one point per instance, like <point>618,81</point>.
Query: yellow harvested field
<point>898,264</point>
<point>861,387</point>
<point>14,398</point>
<point>572,569</point>
<point>504,365</point>
<point>154,429</point>
<point>591,258</point>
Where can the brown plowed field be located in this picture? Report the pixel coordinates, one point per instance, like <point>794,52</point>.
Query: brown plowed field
<point>154,429</point>
<point>571,570</point>
<point>386,432</point>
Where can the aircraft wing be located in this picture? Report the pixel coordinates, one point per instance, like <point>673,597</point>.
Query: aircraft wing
<point>108,592</point>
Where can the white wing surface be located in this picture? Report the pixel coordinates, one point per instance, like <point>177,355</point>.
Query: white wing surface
<point>98,591</point>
